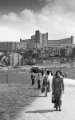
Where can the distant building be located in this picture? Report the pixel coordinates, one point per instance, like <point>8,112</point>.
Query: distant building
<point>39,39</point>
<point>15,59</point>
<point>18,46</point>
<point>7,46</point>
<point>24,44</point>
<point>55,46</point>
<point>31,44</point>
<point>61,42</point>
<point>44,40</point>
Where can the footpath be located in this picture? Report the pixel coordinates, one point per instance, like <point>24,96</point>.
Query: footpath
<point>42,108</point>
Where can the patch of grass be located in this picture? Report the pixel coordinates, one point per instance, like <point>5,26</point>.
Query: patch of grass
<point>14,97</point>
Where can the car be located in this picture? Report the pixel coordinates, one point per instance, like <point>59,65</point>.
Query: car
<point>35,69</point>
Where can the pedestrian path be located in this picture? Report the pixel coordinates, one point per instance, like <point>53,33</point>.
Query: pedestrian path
<point>40,105</point>
<point>42,108</point>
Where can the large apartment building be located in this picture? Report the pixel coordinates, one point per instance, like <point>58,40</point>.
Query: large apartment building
<point>40,39</point>
<point>37,41</point>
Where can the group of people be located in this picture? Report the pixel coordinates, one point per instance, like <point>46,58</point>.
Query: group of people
<point>49,82</point>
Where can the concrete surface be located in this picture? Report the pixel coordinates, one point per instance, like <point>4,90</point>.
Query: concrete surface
<point>42,108</point>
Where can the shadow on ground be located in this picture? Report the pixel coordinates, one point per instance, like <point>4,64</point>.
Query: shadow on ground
<point>40,111</point>
<point>37,96</point>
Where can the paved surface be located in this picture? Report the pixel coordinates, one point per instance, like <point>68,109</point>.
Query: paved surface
<point>42,108</point>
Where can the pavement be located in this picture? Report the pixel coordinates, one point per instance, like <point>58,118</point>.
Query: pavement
<point>42,108</point>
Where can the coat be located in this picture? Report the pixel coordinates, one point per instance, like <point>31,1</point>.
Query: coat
<point>57,86</point>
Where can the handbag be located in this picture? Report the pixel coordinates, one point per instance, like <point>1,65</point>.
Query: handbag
<point>48,87</point>
<point>53,99</point>
<point>43,89</point>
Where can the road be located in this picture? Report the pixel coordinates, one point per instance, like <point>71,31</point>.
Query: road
<point>42,108</point>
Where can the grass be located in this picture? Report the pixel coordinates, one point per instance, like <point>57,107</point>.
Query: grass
<point>16,96</point>
<point>13,98</point>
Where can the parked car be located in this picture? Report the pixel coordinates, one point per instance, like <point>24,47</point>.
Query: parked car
<point>35,69</point>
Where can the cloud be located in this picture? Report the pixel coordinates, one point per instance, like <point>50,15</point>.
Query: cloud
<point>19,5</point>
<point>56,18</point>
<point>11,17</point>
<point>62,5</point>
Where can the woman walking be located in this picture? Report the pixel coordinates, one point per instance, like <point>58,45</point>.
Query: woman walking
<point>57,88</point>
<point>49,80</point>
<point>45,83</point>
<point>39,80</point>
<point>32,78</point>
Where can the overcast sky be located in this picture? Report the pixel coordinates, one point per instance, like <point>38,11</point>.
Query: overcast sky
<point>20,18</point>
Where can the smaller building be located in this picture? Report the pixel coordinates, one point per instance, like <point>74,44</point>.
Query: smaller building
<point>7,46</point>
<point>15,59</point>
<point>24,44</point>
<point>61,42</point>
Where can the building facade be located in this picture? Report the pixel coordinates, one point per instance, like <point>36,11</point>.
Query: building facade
<point>24,44</point>
<point>55,46</point>
<point>40,39</point>
<point>8,46</point>
<point>61,42</point>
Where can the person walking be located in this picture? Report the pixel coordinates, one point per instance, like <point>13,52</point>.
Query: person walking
<point>32,78</point>
<point>49,80</point>
<point>45,83</point>
<point>39,80</point>
<point>57,88</point>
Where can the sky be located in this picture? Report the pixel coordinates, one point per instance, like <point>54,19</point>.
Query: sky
<point>20,18</point>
